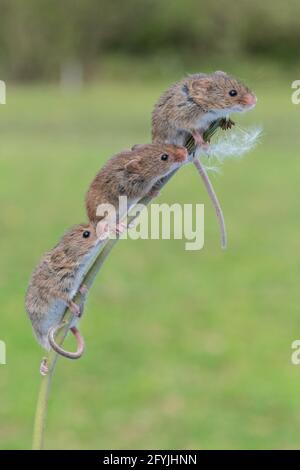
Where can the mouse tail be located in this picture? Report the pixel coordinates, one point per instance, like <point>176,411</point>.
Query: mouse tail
<point>213,197</point>
<point>59,350</point>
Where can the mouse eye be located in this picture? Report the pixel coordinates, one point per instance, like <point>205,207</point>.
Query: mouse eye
<point>164,157</point>
<point>86,234</point>
<point>233,93</point>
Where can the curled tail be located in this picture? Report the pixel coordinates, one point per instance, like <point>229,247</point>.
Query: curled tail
<point>80,342</point>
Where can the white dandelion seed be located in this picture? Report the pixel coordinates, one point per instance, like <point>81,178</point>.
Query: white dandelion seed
<point>231,144</point>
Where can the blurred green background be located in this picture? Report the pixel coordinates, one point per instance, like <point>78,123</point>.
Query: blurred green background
<point>184,349</point>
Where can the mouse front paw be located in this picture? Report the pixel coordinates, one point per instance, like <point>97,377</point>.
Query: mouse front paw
<point>75,309</point>
<point>154,192</point>
<point>120,228</point>
<point>83,289</point>
<point>226,124</point>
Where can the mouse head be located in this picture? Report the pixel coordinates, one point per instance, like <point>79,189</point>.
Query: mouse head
<point>79,240</point>
<point>219,92</point>
<point>156,160</point>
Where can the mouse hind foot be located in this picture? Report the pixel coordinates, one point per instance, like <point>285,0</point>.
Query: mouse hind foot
<point>44,367</point>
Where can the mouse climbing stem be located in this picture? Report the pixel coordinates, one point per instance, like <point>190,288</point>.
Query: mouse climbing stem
<point>42,403</point>
<point>104,251</point>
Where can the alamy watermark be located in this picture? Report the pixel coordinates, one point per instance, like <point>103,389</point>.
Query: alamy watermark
<point>2,92</point>
<point>157,221</point>
<point>2,352</point>
<point>296,94</point>
<point>295,357</point>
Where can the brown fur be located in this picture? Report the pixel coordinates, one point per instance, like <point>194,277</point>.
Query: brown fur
<point>131,173</point>
<point>180,109</point>
<point>55,275</point>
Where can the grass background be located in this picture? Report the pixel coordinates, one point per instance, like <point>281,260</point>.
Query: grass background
<point>184,349</point>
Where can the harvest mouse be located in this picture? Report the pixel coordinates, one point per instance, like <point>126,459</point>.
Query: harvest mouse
<point>54,283</point>
<point>131,173</point>
<point>189,106</point>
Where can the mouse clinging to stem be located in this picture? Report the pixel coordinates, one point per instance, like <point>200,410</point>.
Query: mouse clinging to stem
<point>190,107</point>
<point>131,173</point>
<point>55,282</point>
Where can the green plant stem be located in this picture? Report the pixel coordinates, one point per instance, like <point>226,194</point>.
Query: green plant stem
<point>42,402</point>
<point>105,249</point>
<point>41,408</point>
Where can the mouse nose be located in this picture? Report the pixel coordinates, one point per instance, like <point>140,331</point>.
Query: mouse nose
<point>250,100</point>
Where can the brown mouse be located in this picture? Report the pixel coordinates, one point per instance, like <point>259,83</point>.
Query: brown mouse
<point>54,283</point>
<point>189,106</point>
<point>131,173</point>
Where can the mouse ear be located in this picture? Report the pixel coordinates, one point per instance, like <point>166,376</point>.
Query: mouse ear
<point>137,146</point>
<point>133,166</point>
<point>199,85</point>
